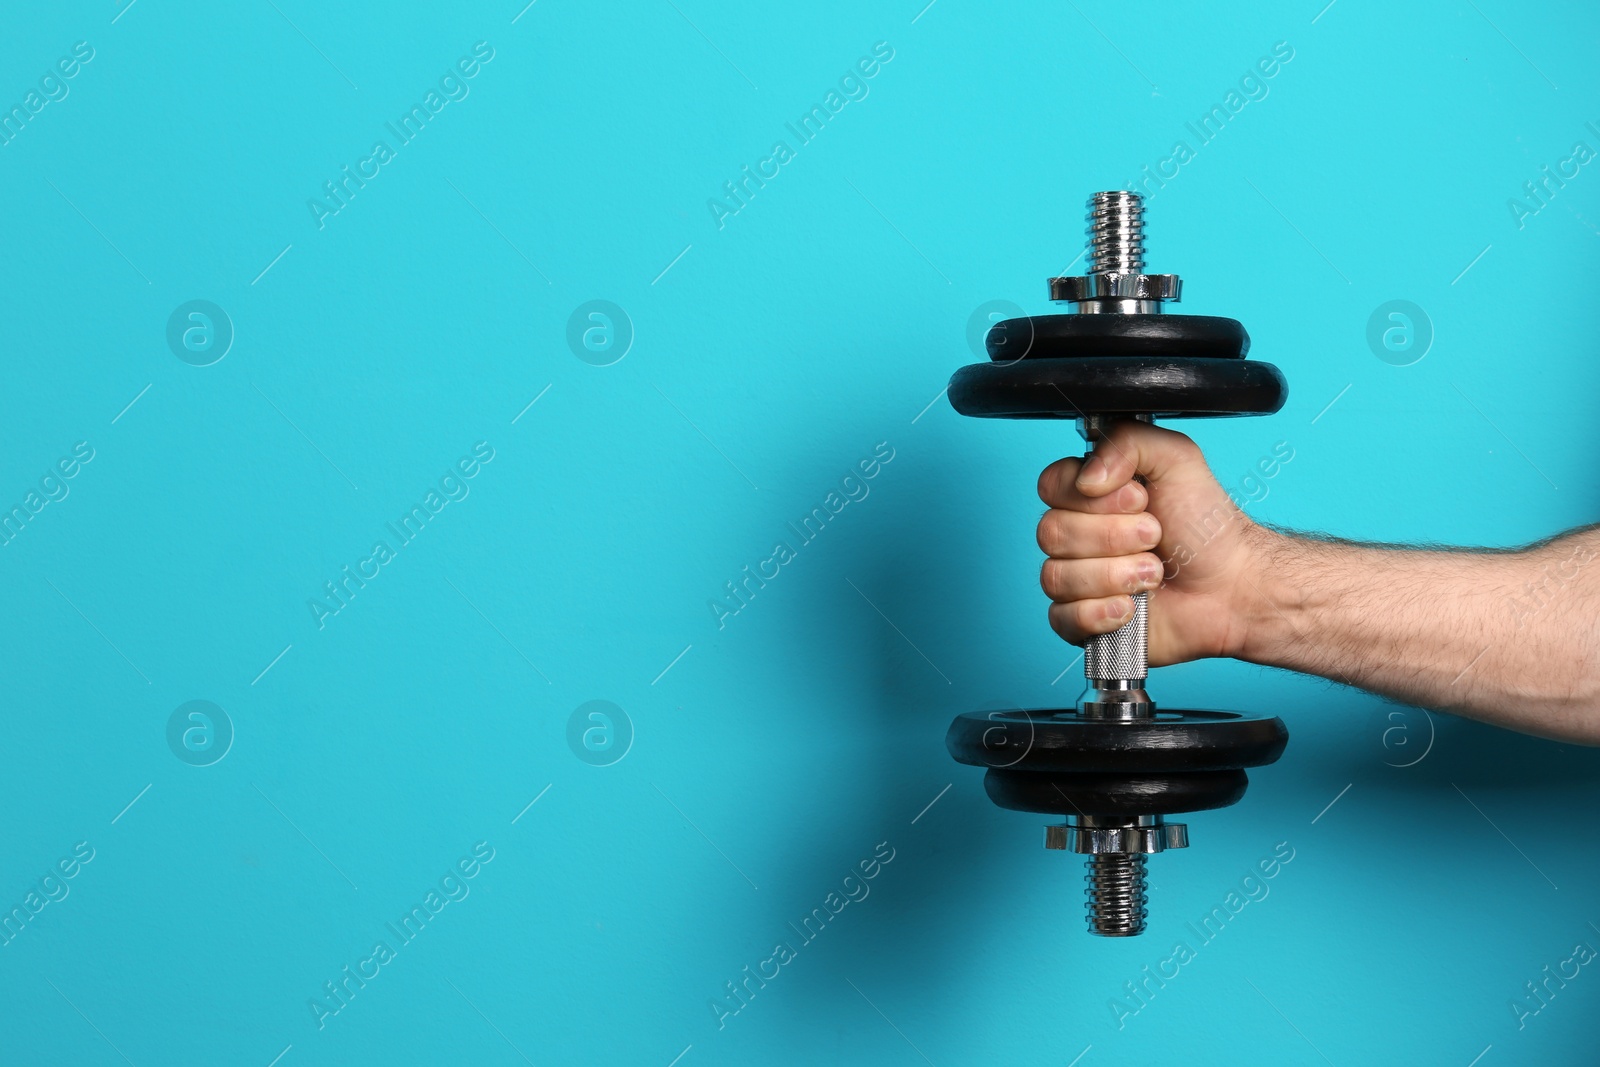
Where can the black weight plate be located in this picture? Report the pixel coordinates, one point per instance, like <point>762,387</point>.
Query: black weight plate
<point>1115,794</point>
<point>1057,336</point>
<point>1176,740</point>
<point>1172,387</point>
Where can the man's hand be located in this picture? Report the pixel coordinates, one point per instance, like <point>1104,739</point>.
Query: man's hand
<point>1451,630</point>
<point>1178,535</point>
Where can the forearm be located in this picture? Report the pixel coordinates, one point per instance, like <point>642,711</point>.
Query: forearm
<point>1510,638</point>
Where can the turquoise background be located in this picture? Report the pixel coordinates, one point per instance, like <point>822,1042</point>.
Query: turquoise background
<point>772,755</point>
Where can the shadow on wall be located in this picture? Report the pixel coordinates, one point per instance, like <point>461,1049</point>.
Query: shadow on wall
<point>931,572</point>
<point>894,614</point>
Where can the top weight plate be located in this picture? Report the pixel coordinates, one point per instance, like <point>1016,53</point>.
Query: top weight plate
<point>1057,336</point>
<point>1171,387</point>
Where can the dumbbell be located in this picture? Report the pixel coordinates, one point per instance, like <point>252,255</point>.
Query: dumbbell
<point>1115,765</point>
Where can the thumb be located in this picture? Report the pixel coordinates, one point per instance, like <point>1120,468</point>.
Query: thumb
<point>1137,448</point>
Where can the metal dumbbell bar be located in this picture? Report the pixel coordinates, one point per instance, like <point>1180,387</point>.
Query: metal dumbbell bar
<point>1114,766</point>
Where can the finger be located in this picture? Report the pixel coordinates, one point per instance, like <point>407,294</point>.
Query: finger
<point>1074,535</point>
<point>1066,580</point>
<point>1058,489</point>
<point>1137,448</point>
<point>1082,619</point>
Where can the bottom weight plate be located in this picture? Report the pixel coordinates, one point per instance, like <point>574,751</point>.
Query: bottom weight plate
<point>1175,740</point>
<point>1114,794</point>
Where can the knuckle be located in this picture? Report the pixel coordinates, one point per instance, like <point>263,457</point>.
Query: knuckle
<point>1061,581</point>
<point>1050,579</point>
<point>1047,533</point>
<point>1054,478</point>
<point>1060,533</point>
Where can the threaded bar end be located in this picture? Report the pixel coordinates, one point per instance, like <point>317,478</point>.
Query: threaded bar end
<point>1116,233</point>
<point>1116,892</point>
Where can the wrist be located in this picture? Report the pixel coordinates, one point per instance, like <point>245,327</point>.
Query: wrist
<point>1265,598</point>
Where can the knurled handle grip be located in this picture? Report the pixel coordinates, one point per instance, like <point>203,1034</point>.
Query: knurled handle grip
<point>1124,652</point>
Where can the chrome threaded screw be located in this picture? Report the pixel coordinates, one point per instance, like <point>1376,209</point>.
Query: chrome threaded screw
<point>1116,233</point>
<point>1116,282</point>
<point>1116,894</point>
<point>1117,849</point>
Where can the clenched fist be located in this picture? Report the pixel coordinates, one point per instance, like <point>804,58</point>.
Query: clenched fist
<point>1176,534</point>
